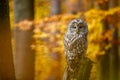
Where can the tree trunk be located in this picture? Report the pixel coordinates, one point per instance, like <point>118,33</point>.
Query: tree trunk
<point>104,5</point>
<point>23,54</point>
<point>6,57</point>
<point>92,4</point>
<point>75,6</point>
<point>109,63</point>
<point>114,55</point>
<point>84,70</point>
<point>113,3</point>
<point>55,7</point>
<point>55,10</point>
<point>104,60</point>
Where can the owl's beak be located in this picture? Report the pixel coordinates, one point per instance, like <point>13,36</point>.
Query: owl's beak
<point>77,31</point>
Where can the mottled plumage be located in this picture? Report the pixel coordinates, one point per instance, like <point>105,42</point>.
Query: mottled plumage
<point>75,42</point>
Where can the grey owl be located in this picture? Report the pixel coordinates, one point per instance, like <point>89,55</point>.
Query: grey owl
<point>75,43</point>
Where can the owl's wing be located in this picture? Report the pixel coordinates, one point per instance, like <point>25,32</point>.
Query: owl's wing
<point>69,40</point>
<point>66,42</point>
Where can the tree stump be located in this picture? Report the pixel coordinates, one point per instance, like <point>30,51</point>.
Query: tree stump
<point>84,70</point>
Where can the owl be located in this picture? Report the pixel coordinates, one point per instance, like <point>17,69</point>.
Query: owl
<point>75,43</point>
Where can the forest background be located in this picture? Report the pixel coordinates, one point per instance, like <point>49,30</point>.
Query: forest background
<point>37,28</point>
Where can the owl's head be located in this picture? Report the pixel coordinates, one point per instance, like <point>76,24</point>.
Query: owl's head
<point>77,26</point>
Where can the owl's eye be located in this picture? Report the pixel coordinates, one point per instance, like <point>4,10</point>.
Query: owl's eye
<point>74,26</point>
<point>80,25</point>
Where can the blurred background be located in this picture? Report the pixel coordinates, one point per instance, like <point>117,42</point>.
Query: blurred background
<point>38,27</point>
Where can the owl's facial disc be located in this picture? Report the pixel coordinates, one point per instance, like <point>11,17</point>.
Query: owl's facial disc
<point>77,26</point>
<point>74,26</point>
<point>80,25</point>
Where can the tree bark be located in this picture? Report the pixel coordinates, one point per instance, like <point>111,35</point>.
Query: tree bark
<point>109,63</point>
<point>75,6</point>
<point>103,5</point>
<point>103,66</point>
<point>55,7</point>
<point>84,70</point>
<point>6,56</point>
<point>104,60</point>
<point>114,55</point>
<point>55,10</point>
<point>24,56</point>
<point>92,4</point>
<point>113,3</point>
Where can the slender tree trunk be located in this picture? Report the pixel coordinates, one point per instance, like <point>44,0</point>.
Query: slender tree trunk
<point>109,63</point>
<point>113,3</point>
<point>23,54</point>
<point>75,6</point>
<point>104,60</point>
<point>114,55</point>
<point>55,10</point>
<point>55,7</point>
<point>6,57</point>
<point>103,6</point>
<point>104,63</point>
<point>91,4</point>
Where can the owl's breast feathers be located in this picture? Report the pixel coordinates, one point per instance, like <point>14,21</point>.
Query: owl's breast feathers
<point>75,45</point>
<point>72,40</point>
